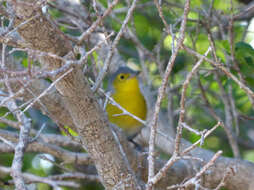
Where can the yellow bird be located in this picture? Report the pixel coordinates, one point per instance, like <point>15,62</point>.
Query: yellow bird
<point>124,87</point>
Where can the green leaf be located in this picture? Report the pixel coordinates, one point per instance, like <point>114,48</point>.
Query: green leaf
<point>70,131</point>
<point>202,43</point>
<point>226,45</point>
<point>25,62</point>
<point>244,53</point>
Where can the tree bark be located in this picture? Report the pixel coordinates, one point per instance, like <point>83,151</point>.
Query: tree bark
<point>88,117</point>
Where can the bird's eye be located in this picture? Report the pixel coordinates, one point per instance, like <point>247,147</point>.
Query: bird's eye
<point>121,77</point>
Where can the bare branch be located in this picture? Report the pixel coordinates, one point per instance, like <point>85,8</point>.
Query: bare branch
<point>161,91</point>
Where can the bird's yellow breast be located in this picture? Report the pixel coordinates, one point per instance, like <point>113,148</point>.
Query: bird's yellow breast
<point>131,99</point>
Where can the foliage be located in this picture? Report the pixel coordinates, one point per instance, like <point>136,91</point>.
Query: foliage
<point>149,29</point>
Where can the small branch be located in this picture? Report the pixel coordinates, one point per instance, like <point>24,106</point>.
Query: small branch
<point>196,180</point>
<point>47,90</point>
<point>206,134</point>
<point>49,144</point>
<point>114,103</point>
<point>7,142</point>
<point>38,133</point>
<point>7,33</point>
<point>10,123</point>
<point>97,22</point>
<point>161,92</point>
<point>75,175</point>
<point>16,168</point>
<point>182,102</point>
<point>229,171</point>
<point>223,69</point>
<point>30,178</point>
<point>158,6</point>
<point>113,46</point>
<point>245,14</point>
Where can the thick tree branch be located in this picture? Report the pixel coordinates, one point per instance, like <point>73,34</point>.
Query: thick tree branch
<point>88,117</point>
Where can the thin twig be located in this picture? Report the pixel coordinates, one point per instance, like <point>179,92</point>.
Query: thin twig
<point>161,92</point>
<point>7,142</point>
<point>114,103</point>
<point>97,22</point>
<point>46,90</point>
<point>107,62</point>
<point>222,68</point>
<point>195,181</point>
<point>182,101</point>
<point>31,178</point>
